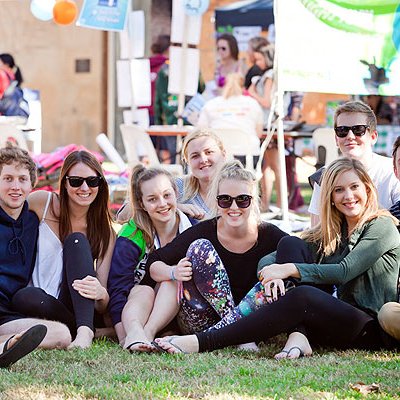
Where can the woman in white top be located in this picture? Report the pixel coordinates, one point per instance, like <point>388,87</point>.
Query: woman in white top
<point>74,250</point>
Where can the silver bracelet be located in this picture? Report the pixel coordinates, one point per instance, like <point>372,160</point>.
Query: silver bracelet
<point>172,275</point>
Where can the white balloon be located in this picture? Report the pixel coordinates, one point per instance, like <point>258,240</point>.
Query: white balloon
<point>43,9</point>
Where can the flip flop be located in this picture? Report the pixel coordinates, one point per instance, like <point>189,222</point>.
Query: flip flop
<point>158,347</point>
<point>25,344</point>
<point>301,352</point>
<point>175,346</point>
<point>129,347</point>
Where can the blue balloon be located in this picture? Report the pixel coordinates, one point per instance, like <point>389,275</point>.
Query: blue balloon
<point>43,9</point>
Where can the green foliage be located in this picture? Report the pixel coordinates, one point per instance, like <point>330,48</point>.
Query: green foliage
<point>107,372</point>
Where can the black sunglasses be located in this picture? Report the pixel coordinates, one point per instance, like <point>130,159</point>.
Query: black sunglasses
<point>358,130</point>
<point>77,181</point>
<point>242,201</point>
<point>221,48</point>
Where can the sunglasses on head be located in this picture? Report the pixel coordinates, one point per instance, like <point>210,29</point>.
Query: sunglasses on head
<point>77,181</point>
<point>358,130</point>
<point>242,201</point>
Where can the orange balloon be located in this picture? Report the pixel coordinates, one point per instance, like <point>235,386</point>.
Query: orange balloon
<point>65,12</point>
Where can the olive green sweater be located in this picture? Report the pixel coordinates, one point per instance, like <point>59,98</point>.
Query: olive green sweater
<point>365,268</point>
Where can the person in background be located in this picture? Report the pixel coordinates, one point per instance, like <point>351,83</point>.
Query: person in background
<point>254,70</point>
<point>18,232</point>
<point>389,314</point>
<point>355,135</point>
<point>9,71</point>
<point>261,90</point>
<point>204,153</point>
<point>75,244</point>
<point>139,311</point>
<point>160,50</point>
<point>233,110</point>
<point>165,111</point>
<point>395,208</point>
<point>356,246</point>
<point>12,103</point>
<point>227,60</point>
<point>381,109</point>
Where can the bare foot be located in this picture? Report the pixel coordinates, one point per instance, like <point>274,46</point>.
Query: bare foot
<point>296,346</point>
<point>84,338</point>
<point>141,347</point>
<point>137,340</point>
<point>179,344</point>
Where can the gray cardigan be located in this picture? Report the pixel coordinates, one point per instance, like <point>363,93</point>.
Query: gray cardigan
<point>365,269</point>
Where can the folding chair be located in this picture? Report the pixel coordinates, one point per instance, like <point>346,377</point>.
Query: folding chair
<point>325,148</point>
<point>138,144</point>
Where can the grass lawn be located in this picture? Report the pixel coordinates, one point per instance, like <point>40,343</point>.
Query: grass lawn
<point>107,372</point>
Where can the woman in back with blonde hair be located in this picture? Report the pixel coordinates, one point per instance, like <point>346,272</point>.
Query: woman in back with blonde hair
<point>204,153</point>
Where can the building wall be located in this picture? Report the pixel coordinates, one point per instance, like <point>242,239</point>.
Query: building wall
<point>73,104</point>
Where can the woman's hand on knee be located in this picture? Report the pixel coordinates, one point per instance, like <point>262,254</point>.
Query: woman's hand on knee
<point>90,287</point>
<point>274,289</point>
<point>183,270</point>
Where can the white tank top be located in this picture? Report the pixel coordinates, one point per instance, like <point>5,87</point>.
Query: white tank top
<point>47,273</point>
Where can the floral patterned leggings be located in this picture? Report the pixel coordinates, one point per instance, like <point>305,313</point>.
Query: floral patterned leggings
<point>207,298</point>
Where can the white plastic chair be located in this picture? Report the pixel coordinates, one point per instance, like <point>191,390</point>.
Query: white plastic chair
<point>237,143</point>
<point>137,144</point>
<point>11,131</point>
<point>325,148</point>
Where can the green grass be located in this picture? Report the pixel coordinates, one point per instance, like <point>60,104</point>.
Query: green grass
<point>106,372</point>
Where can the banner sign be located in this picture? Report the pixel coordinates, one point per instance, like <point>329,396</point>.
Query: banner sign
<point>107,15</point>
<point>339,46</point>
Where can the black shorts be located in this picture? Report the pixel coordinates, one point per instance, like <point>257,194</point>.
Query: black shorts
<point>7,315</point>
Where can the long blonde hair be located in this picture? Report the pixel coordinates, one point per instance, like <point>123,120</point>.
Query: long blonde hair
<point>233,85</point>
<point>191,185</point>
<point>139,175</point>
<point>234,170</point>
<point>328,233</point>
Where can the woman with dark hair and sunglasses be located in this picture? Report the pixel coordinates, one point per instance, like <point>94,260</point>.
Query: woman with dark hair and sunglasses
<point>356,246</point>
<point>74,250</point>
<point>215,261</point>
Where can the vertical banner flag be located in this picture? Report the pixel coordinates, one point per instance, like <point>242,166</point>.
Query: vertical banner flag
<point>340,46</point>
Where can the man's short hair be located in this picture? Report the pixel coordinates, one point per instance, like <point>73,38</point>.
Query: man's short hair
<point>12,154</point>
<point>357,106</point>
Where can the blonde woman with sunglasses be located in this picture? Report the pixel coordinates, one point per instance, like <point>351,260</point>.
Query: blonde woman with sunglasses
<point>74,250</point>
<point>215,262</point>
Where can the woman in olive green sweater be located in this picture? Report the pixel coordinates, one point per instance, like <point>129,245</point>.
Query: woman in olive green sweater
<point>356,247</point>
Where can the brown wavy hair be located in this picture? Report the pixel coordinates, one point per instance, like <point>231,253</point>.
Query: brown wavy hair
<point>139,175</point>
<point>98,216</point>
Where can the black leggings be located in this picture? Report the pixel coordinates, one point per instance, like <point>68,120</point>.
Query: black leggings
<point>70,308</point>
<point>325,319</point>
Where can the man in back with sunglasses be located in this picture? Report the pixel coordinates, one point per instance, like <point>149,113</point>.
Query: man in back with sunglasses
<point>356,134</point>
